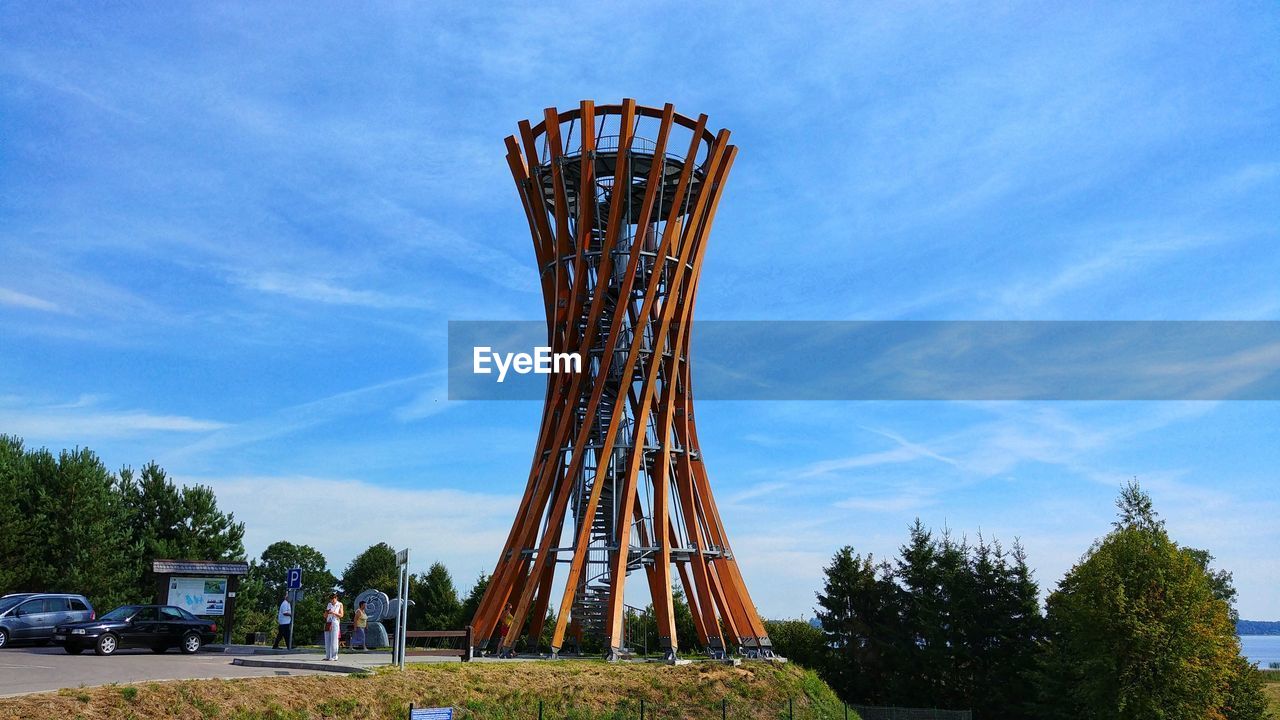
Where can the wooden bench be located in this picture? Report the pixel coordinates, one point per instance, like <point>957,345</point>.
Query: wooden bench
<point>463,652</point>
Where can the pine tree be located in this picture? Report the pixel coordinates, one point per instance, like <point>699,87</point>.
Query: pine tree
<point>18,487</point>
<point>917,652</point>
<point>167,521</point>
<point>971,624</point>
<point>860,616</point>
<point>82,535</point>
<point>1006,671</point>
<point>435,600</point>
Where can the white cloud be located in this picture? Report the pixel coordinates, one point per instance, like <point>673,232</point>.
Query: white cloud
<point>906,451</point>
<point>341,517</point>
<point>896,503</point>
<point>30,302</point>
<point>80,421</point>
<point>316,289</point>
<point>289,420</point>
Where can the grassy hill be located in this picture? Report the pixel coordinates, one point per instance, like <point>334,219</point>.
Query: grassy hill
<point>585,690</point>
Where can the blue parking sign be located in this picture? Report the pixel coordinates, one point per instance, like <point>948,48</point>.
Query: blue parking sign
<point>295,578</point>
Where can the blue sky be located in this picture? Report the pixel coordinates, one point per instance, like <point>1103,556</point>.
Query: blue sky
<point>231,237</point>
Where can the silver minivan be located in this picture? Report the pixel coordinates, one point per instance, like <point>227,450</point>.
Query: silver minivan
<point>31,617</point>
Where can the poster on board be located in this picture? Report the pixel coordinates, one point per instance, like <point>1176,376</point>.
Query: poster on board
<point>199,596</point>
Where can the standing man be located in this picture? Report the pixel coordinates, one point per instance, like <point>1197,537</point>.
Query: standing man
<point>284,617</point>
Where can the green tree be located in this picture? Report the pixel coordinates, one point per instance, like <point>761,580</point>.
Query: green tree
<point>1003,629</point>
<point>270,573</point>
<point>273,567</point>
<point>1222,581</point>
<point>254,611</point>
<point>17,486</point>
<point>80,535</point>
<point>1010,688</point>
<point>686,631</point>
<point>435,600</point>
<point>1246,700</point>
<point>1136,631</point>
<point>800,642</point>
<point>68,524</point>
<point>174,522</point>
<point>920,655</point>
<point>467,611</point>
<point>950,625</point>
<point>860,611</point>
<point>375,568</point>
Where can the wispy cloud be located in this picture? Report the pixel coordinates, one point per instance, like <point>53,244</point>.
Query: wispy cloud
<point>377,397</point>
<point>906,451</point>
<point>1124,252</point>
<point>82,420</point>
<point>896,503</point>
<point>29,302</point>
<point>322,290</point>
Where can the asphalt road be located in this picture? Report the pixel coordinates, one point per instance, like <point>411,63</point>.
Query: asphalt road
<point>41,669</point>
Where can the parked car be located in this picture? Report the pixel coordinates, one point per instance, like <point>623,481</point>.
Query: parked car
<point>158,627</point>
<point>32,617</point>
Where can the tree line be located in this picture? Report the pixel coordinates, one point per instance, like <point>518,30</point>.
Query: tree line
<point>68,524</point>
<point>435,603</point>
<point>1140,628</point>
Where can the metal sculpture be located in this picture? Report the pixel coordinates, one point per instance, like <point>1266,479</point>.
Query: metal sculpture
<point>620,200</point>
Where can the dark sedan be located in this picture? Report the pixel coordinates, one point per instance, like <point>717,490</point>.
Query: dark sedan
<point>158,627</point>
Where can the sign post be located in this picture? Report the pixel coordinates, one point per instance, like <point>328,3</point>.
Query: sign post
<point>402,614</point>
<point>294,582</point>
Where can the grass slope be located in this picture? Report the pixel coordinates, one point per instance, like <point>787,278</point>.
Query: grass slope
<point>585,690</point>
<point>1272,690</point>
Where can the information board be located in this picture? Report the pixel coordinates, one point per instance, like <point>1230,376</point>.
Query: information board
<point>199,596</point>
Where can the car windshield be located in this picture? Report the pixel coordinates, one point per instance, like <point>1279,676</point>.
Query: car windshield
<point>10,600</point>
<point>123,612</point>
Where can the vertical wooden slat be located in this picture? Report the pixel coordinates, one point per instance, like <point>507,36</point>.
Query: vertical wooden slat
<point>611,234</point>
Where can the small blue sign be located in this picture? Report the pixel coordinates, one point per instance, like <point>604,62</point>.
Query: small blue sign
<point>295,578</point>
<point>430,713</point>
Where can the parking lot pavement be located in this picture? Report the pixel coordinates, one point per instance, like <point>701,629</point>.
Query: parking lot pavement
<point>41,669</point>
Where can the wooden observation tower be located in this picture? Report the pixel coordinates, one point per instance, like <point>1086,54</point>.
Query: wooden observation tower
<point>620,201</point>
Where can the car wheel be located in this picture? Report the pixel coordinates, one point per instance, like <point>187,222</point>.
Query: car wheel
<point>73,649</point>
<point>107,644</point>
<point>191,643</point>
<point>4,637</point>
<point>159,650</point>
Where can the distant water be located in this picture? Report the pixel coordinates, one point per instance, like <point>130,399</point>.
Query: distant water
<point>1261,649</point>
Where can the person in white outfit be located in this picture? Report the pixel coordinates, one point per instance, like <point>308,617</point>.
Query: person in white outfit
<point>332,625</point>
